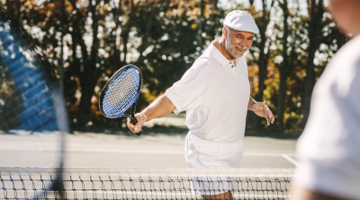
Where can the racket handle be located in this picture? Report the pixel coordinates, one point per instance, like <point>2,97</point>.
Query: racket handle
<point>134,121</point>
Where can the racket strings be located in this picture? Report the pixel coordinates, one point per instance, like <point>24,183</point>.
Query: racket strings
<point>121,93</point>
<point>121,90</point>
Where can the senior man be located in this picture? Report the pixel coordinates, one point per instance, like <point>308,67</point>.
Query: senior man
<point>215,93</point>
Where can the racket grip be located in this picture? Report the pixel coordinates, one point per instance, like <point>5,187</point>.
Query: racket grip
<point>134,121</point>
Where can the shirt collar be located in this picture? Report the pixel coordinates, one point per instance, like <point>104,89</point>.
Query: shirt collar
<point>220,58</point>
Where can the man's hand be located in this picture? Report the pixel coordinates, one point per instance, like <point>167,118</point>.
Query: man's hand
<point>161,107</point>
<point>137,127</point>
<point>262,110</point>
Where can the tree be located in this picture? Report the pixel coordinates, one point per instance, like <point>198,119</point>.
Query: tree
<point>315,26</point>
<point>261,48</point>
<point>262,44</point>
<point>285,64</point>
<point>13,9</point>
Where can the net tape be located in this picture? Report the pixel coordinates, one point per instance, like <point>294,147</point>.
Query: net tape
<point>166,183</point>
<point>122,93</point>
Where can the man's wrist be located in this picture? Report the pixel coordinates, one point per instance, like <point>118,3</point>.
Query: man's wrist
<point>251,106</point>
<point>145,117</point>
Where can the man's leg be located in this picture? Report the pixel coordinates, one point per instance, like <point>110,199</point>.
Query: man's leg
<point>223,196</point>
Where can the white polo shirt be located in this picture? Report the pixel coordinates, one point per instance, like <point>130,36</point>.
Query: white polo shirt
<point>215,94</point>
<point>329,148</point>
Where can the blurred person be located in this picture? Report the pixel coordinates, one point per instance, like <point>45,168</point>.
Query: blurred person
<point>215,93</point>
<point>329,148</point>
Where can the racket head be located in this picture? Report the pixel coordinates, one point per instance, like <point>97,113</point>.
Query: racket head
<point>121,92</point>
<point>33,118</point>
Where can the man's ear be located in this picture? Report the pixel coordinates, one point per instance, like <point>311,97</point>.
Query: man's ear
<point>224,32</point>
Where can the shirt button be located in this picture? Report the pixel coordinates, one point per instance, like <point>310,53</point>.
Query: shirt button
<point>232,66</point>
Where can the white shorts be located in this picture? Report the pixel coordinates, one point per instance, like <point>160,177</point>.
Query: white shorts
<point>200,153</point>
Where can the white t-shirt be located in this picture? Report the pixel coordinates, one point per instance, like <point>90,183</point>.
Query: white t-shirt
<point>215,94</point>
<point>329,148</point>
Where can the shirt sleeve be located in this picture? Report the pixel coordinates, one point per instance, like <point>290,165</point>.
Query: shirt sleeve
<point>186,94</point>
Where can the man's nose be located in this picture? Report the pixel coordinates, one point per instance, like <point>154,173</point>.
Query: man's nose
<point>242,42</point>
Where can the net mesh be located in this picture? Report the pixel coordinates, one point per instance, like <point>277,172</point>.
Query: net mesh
<point>121,93</point>
<point>150,183</point>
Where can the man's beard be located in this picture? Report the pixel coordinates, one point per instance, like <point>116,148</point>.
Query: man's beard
<point>231,51</point>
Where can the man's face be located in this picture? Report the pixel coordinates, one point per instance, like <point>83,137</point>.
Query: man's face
<point>237,42</point>
<point>345,14</point>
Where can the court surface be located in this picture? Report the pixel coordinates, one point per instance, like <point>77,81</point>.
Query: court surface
<point>162,148</point>
<point>104,150</point>
<point>110,150</point>
<point>156,148</point>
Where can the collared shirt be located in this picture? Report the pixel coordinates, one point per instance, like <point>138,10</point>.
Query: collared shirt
<point>215,94</point>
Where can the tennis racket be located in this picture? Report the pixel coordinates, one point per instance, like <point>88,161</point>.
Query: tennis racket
<point>119,96</point>
<point>33,118</point>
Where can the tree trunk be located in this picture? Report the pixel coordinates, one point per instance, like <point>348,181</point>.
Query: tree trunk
<point>262,23</point>
<point>262,62</point>
<point>283,68</point>
<point>127,28</point>
<point>263,58</point>
<point>13,9</point>
<point>89,75</point>
<point>315,36</point>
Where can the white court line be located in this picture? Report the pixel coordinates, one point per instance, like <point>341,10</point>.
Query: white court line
<point>123,151</point>
<point>84,150</point>
<point>287,157</point>
<point>157,152</point>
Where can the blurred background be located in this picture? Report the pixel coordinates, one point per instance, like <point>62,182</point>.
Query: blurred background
<point>87,41</point>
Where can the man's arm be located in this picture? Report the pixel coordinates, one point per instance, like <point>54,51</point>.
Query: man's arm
<point>251,103</point>
<point>262,110</point>
<point>161,107</point>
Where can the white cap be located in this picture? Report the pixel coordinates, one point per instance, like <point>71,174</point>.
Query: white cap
<point>241,21</point>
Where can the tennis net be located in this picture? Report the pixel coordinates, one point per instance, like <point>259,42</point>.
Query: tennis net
<point>143,183</point>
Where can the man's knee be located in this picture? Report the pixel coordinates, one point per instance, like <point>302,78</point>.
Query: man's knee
<point>222,196</point>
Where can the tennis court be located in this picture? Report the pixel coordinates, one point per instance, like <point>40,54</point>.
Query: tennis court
<point>156,148</point>
<point>165,148</point>
<point>162,150</point>
<point>117,165</point>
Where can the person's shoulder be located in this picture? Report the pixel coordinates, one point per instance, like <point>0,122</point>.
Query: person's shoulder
<point>344,62</point>
<point>199,67</point>
<point>204,62</point>
<point>349,54</point>
<point>342,75</point>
